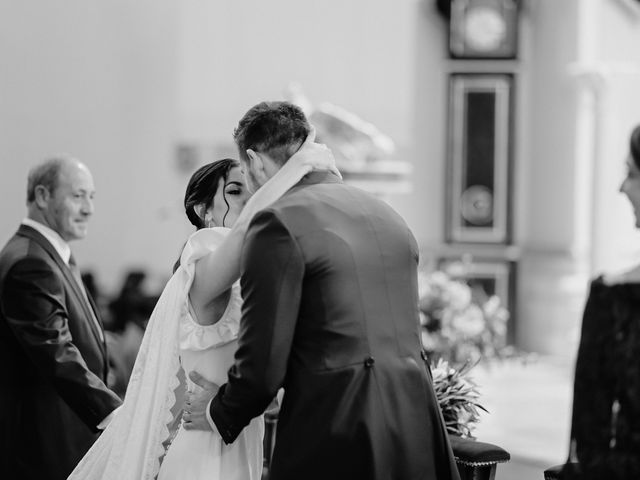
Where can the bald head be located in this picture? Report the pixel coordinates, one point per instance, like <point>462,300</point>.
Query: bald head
<point>60,194</point>
<point>47,174</point>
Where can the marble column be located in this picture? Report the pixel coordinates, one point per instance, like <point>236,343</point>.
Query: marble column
<point>555,228</point>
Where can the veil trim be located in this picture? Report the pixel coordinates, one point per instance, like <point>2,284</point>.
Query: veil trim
<point>131,446</point>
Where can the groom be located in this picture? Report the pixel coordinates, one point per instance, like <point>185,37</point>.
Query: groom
<point>329,282</point>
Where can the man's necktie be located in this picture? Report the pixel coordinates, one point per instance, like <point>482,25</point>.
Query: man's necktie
<point>73,266</point>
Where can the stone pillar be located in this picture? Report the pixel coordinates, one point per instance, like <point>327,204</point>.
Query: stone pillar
<point>576,225</point>
<point>556,231</point>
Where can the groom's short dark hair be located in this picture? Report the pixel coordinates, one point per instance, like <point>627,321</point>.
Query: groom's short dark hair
<point>274,128</point>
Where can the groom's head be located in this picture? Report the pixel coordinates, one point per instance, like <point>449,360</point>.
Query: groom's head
<point>266,137</point>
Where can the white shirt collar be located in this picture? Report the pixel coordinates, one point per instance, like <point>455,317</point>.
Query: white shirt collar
<point>56,241</point>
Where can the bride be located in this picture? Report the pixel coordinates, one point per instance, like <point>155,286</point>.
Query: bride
<point>194,327</point>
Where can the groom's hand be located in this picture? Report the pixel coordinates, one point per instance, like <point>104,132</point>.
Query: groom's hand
<point>194,416</point>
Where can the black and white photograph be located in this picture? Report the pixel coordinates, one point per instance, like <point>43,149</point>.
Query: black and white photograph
<point>296,240</point>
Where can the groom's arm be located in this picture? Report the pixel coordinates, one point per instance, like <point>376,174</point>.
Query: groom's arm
<point>272,273</point>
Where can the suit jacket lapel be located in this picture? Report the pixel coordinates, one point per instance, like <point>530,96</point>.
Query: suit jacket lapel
<point>34,235</point>
<point>103,343</point>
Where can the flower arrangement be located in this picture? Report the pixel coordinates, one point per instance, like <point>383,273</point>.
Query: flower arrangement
<point>460,323</point>
<point>457,397</point>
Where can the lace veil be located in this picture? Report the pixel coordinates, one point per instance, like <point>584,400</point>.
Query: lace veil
<point>131,446</point>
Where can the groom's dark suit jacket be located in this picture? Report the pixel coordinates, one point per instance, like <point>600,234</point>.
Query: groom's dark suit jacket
<point>329,282</point>
<point>53,366</point>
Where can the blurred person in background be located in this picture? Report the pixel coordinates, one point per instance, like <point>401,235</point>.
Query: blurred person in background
<point>605,430</point>
<point>128,313</point>
<point>53,373</point>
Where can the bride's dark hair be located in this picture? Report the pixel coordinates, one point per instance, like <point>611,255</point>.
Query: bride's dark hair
<point>201,189</point>
<point>203,185</point>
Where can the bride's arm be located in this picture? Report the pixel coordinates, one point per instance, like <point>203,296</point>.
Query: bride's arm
<point>217,271</point>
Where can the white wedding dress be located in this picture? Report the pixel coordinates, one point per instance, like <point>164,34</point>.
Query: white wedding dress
<point>209,350</point>
<point>132,446</point>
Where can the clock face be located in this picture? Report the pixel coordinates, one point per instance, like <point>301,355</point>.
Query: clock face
<point>484,28</point>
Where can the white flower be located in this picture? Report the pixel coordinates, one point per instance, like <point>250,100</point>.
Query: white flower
<point>455,324</point>
<point>470,323</point>
<point>459,295</point>
<point>440,371</point>
<point>491,306</point>
<point>439,278</point>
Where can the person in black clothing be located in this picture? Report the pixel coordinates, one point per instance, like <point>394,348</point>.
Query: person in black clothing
<point>605,430</point>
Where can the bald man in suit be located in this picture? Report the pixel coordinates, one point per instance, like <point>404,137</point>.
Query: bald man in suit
<point>53,361</point>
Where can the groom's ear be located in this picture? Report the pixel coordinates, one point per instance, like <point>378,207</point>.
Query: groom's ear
<point>256,164</point>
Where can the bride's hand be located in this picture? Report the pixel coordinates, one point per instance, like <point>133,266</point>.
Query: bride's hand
<point>316,155</point>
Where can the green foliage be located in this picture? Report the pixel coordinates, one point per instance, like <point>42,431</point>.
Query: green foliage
<point>457,397</point>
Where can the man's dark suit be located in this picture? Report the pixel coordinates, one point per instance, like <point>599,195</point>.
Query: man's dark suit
<point>53,365</point>
<point>329,282</point>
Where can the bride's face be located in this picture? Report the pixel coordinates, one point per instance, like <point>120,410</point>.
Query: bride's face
<point>229,199</point>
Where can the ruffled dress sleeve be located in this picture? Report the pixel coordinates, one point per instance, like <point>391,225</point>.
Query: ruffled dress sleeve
<point>194,336</point>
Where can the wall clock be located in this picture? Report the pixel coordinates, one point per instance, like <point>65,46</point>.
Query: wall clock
<point>483,29</point>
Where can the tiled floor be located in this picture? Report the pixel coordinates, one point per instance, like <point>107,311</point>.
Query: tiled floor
<point>529,413</point>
